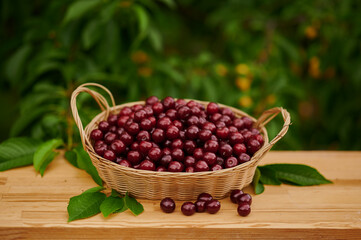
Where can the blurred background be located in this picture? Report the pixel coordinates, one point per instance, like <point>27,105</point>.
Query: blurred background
<point>303,55</point>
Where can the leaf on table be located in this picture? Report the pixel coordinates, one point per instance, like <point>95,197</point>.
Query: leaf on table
<point>268,176</point>
<point>112,205</point>
<point>257,185</point>
<point>79,8</point>
<point>94,189</point>
<point>84,162</point>
<point>45,154</point>
<point>133,205</point>
<point>85,205</point>
<point>72,158</point>
<point>298,174</point>
<point>17,152</point>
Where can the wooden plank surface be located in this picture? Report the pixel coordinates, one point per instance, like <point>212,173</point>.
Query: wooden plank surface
<point>35,207</point>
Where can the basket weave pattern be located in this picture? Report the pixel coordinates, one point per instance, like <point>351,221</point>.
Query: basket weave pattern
<point>180,186</point>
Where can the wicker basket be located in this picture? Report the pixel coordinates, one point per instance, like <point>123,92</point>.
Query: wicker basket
<point>180,186</point>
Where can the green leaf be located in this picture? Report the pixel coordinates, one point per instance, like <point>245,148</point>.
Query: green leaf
<point>115,193</point>
<point>85,163</point>
<point>72,158</point>
<point>15,65</point>
<point>111,205</point>
<point>134,206</point>
<point>25,120</point>
<point>269,176</point>
<point>17,152</point>
<point>48,160</point>
<point>85,205</point>
<point>79,8</point>
<point>142,16</point>
<point>257,185</point>
<point>92,33</point>
<point>94,189</point>
<point>298,174</point>
<point>45,154</point>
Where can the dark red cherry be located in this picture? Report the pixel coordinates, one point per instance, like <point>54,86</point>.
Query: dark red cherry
<point>222,133</point>
<point>109,137</point>
<point>100,149</point>
<point>192,132</point>
<point>126,111</point>
<point>146,124</point>
<point>96,134</point>
<point>118,146</point>
<point>161,169</point>
<point>104,126</point>
<point>110,155</point>
<point>151,100</point>
<point>143,136</point>
<point>231,162</point>
<point>244,209</point>
<point>201,166</point>
<point>158,135</point>
<point>165,160</point>
<point>164,123</point>
<point>112,120</point>
<point>175,166</point>
<point>204,197</point>
<point>238,123</point>
<point>126,138</point>
<point>177,143</point>
<point>188,208</point>
<point>225,150</point>
<point>244,157</point>
<point>177,154</point>
<point>172,132</point>
<point>172,114</point>
<point>253,146</point>
<point>157,108</point>
<point>247,122</point>
<point>234,195</point>
<point>183,112</point>
<point>211,146</point>
<point>217,167</point>
<point>213,206</point>
<point>168,102</point>
<point>198,153</point>
<point>189,146</point>
<point>212,108</point>
<point>144,147</point>
<point>189,161</point>
<point>134,157</point>
<point>204,135</point>
<point>235,138</point>
<point>239,148</point>
<point>167,205</point>
<point>122,120</point>
<point>125,163</point>
<point>245,197</point>
<point>155,154</point>
<point>147,165</point>
<point>210,158</point>
<point>200,206</point>
<point>209,126</point>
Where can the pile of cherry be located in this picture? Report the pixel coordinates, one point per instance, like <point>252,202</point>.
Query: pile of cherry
<point>206,203</point>
<point>176,136</point>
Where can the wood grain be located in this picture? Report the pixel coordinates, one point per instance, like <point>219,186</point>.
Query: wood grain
<point>32,207</point>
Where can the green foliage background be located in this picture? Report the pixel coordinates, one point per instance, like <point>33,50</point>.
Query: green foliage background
<point>303,55</point>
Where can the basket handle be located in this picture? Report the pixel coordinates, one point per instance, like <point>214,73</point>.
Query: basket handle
<point>100,99</point>
<point>266,117</point>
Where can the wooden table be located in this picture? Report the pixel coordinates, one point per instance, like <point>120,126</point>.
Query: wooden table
<point>35,207</point>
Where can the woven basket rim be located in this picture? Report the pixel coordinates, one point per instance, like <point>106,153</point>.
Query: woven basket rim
<point>115,109</point>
